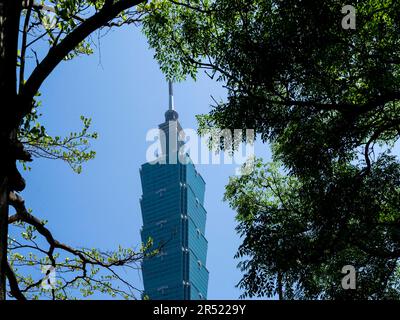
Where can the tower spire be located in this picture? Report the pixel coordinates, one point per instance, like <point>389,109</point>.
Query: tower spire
<point>171,114</point>
<point>171,96</point>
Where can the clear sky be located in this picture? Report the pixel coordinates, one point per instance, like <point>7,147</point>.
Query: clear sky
<point>122,89</point>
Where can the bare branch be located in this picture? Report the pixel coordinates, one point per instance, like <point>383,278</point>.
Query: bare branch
<point>24,46</point>
<point>71,41</point>
<point>14,288</point>
<point>84,258</point>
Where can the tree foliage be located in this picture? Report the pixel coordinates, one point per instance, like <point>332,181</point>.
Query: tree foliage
<point>297,237</point>
<point>327,101</point>
<point>36,36</point>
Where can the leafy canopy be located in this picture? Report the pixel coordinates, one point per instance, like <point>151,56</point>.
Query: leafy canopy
<point>327,101</point>
<point>49,33</point>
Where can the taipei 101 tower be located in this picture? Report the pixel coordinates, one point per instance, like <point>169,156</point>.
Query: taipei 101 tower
<point>175,219</point>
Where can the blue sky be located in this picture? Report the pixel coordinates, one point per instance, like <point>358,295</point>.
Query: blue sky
<point>122,89</point>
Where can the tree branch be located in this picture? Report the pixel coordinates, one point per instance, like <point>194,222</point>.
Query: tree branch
<point>375,136</point>
<point>14,288</point>
<point>84,258</point>
<point>71,41</point>
<point>24,46</point>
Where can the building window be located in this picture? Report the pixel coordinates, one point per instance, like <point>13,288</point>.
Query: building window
<point>163,290</point>
<point>198,233</point>
<point>201,296</point>
<point>161,223</point>
<point>197,202</point>
<point>162,253</point>
<point>199,264</point>
<point>161,192</point>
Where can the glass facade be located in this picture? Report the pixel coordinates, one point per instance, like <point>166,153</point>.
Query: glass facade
<point>174,217</point>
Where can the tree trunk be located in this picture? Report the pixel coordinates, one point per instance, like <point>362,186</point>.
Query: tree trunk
<point>10,11</point>
<point>280,286</point>
<point>3,236</point>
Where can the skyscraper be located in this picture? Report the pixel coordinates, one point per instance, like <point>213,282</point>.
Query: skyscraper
<point>174,217</point>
